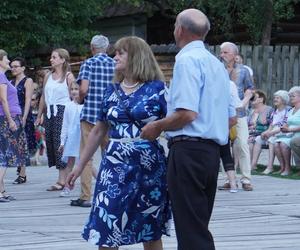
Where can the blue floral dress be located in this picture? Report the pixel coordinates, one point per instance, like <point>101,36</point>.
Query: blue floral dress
<point>130,203</point>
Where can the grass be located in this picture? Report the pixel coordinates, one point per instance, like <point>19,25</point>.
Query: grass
<point>293,176</point>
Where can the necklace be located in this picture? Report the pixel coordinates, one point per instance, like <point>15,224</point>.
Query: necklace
<point>130,86</point>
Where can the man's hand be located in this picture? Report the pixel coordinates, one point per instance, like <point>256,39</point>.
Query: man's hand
<point>151,131</point>
<point>71,178</point>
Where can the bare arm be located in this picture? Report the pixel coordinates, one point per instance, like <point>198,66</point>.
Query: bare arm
<point>28,95</point>
<point>176,121</point>
<point>232,121</point>
<point>83,90</point>
<point>95,138</point>
<point>42,102</point>
<point>3,100</point>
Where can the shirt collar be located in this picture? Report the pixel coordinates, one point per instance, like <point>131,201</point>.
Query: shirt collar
<point>190,46</point>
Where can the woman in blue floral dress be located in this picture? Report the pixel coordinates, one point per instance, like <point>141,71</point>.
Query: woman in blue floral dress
<point>130,203</point>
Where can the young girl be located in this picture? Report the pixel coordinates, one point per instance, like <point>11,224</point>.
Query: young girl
<point>39,130</point>
<point>70,132</point>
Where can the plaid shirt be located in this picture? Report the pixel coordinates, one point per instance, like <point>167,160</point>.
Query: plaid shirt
<point>98,70</point>
<point>241,76</point>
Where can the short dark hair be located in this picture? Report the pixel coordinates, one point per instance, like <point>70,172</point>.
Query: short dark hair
<point>21,60</point>
<point>261,94</point>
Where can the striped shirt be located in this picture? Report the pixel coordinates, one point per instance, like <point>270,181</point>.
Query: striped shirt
<point>98,70</point>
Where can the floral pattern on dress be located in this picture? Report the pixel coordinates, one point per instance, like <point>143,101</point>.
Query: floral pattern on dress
<point>130,203</point>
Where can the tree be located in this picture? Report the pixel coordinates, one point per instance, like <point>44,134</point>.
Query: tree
<point>35,26</point>
<point>257,16</point>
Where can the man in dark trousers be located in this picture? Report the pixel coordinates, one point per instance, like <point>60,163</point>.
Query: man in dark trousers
<point>196,124</point>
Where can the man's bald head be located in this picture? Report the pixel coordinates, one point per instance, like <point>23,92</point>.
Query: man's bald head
<point>194,21</point>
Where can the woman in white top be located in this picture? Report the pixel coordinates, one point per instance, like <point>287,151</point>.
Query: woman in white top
<point>55,96</point>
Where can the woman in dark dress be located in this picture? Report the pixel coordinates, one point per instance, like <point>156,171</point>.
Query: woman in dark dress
<point>24,86</point>
<point>130,203</point>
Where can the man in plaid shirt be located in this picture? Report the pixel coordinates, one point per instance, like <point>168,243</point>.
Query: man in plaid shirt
<point>94,76</point>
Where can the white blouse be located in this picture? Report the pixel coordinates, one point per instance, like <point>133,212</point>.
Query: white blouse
<point>56,93</point>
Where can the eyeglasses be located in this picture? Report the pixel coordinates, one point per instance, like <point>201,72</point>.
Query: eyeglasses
<point>15,66</point>
<point>33,99</point>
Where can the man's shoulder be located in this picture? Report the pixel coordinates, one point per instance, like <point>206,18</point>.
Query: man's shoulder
<point>100,58</point>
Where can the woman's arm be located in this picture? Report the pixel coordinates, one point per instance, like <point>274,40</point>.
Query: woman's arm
<point>70,80</point>
<point>95,138</point>
<point>28,96</point>
<point>42,102</point>
<point>3,100</point>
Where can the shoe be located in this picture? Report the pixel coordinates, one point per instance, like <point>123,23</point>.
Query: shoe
<point>225,186</point>
<point>65,193</point>
<point>285,173</point>
<point>80,203</point>
<point>20,180</point>
<point>233,188</point>
<point>56,187</point>
<point>3,199</point>
<point>267,171</point>
<point>8,196</point>
<point>247,187</point>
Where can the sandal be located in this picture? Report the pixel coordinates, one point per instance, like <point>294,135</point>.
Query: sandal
<point>8,196</point>
<point>20,180</point>
<point>56,187</point>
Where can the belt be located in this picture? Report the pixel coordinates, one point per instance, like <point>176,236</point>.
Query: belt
<point>127,140</point>
<point>181,138</point>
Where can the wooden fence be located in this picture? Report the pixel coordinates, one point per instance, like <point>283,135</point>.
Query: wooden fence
<point>275,67</point>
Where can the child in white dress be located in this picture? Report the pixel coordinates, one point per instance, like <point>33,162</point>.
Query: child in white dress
<point>70,133</point>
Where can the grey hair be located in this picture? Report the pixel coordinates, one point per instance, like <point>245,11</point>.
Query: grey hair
<point>189,24</point>
<point>283,94</point>
<point>294,89</point>
<point>234,48</point>
<point>100,42</point>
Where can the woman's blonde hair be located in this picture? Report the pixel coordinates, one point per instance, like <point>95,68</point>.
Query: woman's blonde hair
<point>64,54</point>
<point>141,63</point>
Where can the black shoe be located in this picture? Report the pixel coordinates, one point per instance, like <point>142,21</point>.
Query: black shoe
<point>80,203</point>
<point>20,180</point>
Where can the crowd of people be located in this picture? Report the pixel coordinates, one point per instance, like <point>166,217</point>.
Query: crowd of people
<point>121,105</point>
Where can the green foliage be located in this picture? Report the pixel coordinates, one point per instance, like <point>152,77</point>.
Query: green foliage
<point>39,25</point>
<point>34,26</point>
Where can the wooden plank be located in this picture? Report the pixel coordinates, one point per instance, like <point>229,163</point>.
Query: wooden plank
<point>286,62</point>
<point>40,220</point>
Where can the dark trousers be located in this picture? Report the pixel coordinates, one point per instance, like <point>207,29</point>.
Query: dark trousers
<point>192,180</point>
<point>226,157</point>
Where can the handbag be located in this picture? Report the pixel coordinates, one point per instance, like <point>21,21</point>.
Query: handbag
<point>232,133</point>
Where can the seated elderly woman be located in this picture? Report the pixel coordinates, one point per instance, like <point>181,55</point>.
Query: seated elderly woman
<point>278,119</point>
<point>289,131</point>
<point>258,122</point>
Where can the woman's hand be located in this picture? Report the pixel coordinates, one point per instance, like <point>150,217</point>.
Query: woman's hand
<point>38,121</point>
<point>24,121</point>
<point>285,128</point>
<point>12,125</point>
<point>61,149</point>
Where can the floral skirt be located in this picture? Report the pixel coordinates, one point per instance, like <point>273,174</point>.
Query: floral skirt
<point>13,146</point>
<point>130,203</point>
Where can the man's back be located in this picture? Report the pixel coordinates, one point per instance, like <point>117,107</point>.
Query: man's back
<point>98,70</point>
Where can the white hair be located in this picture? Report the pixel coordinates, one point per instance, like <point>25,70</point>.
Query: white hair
<point>283,94</point>
<point>294,89</point>
<point>100,42</point>
<point>234,48</point>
